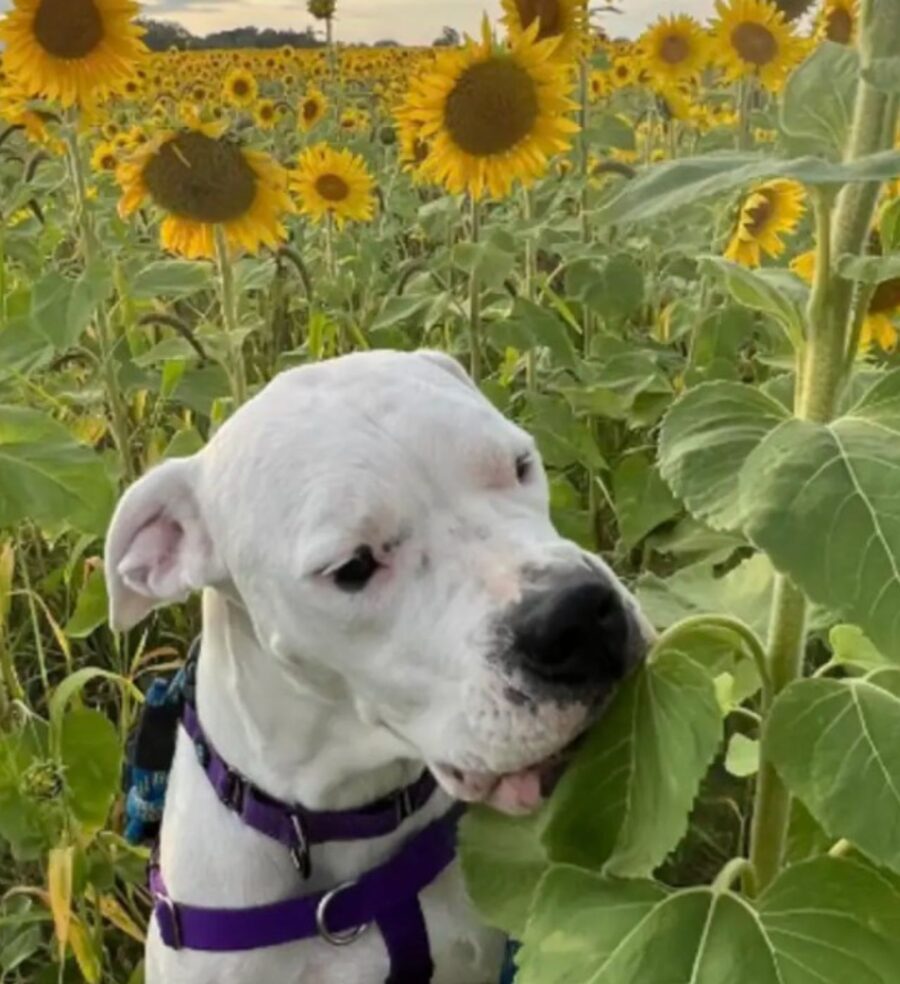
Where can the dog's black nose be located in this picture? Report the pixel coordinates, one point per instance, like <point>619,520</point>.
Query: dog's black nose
<point>575,634</point>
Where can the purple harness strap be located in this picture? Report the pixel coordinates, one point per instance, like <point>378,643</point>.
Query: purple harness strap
<point>295,826</point>
<point>387,896</point>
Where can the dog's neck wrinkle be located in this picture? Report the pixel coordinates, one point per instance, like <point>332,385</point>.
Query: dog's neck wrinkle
<point>283,736</point>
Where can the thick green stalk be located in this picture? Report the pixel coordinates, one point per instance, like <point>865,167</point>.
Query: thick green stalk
<point>228,299</point>
<point>475,366</point>
<point>825,373</point>
<point>105,338</point>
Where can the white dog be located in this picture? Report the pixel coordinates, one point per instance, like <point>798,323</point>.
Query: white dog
<point>383,590</point>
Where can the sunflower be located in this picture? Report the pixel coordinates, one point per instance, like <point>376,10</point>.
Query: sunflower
<point>71,51</point>
<point>240,88</point>
<point>333,183</point>
<point>767,212</point>
<point>312,108</point>
<point>837,21</point>
<point>564,20</point>
<point>751,38</point>
<point>675,49</point>
<point>266,114</point>
<point>624,72</point>
<point>493,115</point>
<point>105,157</point>
<point>202,179</point>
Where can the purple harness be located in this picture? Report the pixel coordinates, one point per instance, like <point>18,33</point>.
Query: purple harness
<point>387,896</point>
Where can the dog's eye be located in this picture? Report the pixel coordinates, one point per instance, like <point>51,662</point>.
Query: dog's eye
<point>524,465</point>
<point>357,572</point>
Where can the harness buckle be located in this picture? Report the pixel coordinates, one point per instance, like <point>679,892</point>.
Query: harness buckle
<point>300,854</point>
<point>336,939</point>
<point>234,790</point>
<point>405,806</point>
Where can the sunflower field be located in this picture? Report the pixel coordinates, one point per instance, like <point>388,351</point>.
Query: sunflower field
<point>675,260</point>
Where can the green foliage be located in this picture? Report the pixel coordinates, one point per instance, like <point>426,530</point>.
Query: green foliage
<point>668,391</point>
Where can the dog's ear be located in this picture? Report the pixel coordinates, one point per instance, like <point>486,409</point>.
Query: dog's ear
<point>448,364</point>
<point>158,549</point>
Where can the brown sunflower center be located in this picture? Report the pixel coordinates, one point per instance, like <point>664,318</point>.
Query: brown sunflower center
<point>332,187</point>
<point>755,43</point>
<point>491,108</point>
<point>196,177</point>
<point>758,216</point>
<point>886,298</point>
<point>266,112</point>
<point>108,162</point>
<point>839,26</point>
<point>547,10</point>
<point>674,49</point>
<point>310,109</point>
<point>68,28</point>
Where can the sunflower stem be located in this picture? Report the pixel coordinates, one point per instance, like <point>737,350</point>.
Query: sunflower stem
<point>118,410</point>
<point>825,374</point>
<point>228,301</point>
<point>475,363</point>
<point>530,278</point>
<point>745,98</point>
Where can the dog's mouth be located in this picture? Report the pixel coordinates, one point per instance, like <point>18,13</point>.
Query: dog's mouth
<point>517,793</point>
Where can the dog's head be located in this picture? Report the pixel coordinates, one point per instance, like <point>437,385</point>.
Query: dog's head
<point>388,532</point>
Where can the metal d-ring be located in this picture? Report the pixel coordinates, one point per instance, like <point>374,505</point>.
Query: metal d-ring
<point>336,939</point>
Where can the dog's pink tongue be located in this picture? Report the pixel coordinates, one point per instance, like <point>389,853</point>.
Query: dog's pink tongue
<point>518,792</point>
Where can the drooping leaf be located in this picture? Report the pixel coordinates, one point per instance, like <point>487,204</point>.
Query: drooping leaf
<point>92,759</point>
<point>869,269</point>
<point>46,476</point>
<point>623,803</point>
<point>91,607</point>
<point>834,743</point>
<point>777,293</point>
<point>660,188</point>
<point>643,500</point>
<point>826,921</point>
<point>171,278</point>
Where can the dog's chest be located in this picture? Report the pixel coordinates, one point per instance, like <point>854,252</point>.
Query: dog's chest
<point>210,858</point>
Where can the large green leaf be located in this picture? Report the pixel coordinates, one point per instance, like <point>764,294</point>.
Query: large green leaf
<point>818,100</point>
<point>502,860</point>
<point>836,744</point>
<point>48,477</point>
<point>661,188</point>
<point>706,438</point>
<point>824,502</point>
<point>826,921</point>
<point>623,803</point>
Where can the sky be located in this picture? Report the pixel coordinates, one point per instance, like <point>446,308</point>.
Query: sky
<point>406,21</point>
